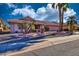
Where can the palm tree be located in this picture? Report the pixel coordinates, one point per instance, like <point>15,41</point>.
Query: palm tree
<point>71,22</point>
<point>62,7</point>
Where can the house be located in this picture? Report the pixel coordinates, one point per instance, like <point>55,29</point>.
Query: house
<point>50,25</point>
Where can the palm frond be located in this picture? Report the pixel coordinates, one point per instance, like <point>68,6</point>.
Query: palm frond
<point>53,5</point>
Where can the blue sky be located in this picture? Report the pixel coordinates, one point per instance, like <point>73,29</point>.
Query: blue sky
<point>75,6</point>
<point>38,11</point>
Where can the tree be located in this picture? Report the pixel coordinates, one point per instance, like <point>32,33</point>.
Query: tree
<point>29,26</point>
<point>33,26</point>
<point>71,22</point>
<point>62,7</point>
<point>23,26</point>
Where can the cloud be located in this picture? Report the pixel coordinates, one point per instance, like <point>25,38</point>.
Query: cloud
<point>27,11</point>
<point>11,5</point>
<point>42,13</point>
<point>69,12</point>
<point>41,10</point>
<point>47,13</point>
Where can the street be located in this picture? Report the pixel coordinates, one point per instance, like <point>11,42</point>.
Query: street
<point>59,46</point>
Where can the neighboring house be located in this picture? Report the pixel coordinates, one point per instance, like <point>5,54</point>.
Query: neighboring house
<point>52,26</point>
<point>3,27</point>
<point>76,27</point>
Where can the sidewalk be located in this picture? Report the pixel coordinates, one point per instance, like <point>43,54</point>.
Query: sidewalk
<point>5,35</point>
<point>52,46</point>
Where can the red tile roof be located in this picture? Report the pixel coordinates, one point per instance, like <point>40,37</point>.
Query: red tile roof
<point>29,19</point>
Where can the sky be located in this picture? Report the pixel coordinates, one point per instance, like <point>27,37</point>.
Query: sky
<point>38,11</point>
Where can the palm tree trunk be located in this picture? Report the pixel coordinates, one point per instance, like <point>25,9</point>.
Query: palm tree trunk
<point>62,15</point>
<point>71,28</point>
<point>60,27</point>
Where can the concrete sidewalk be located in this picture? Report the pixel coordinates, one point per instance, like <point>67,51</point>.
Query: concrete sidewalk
<point>67,45</point>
